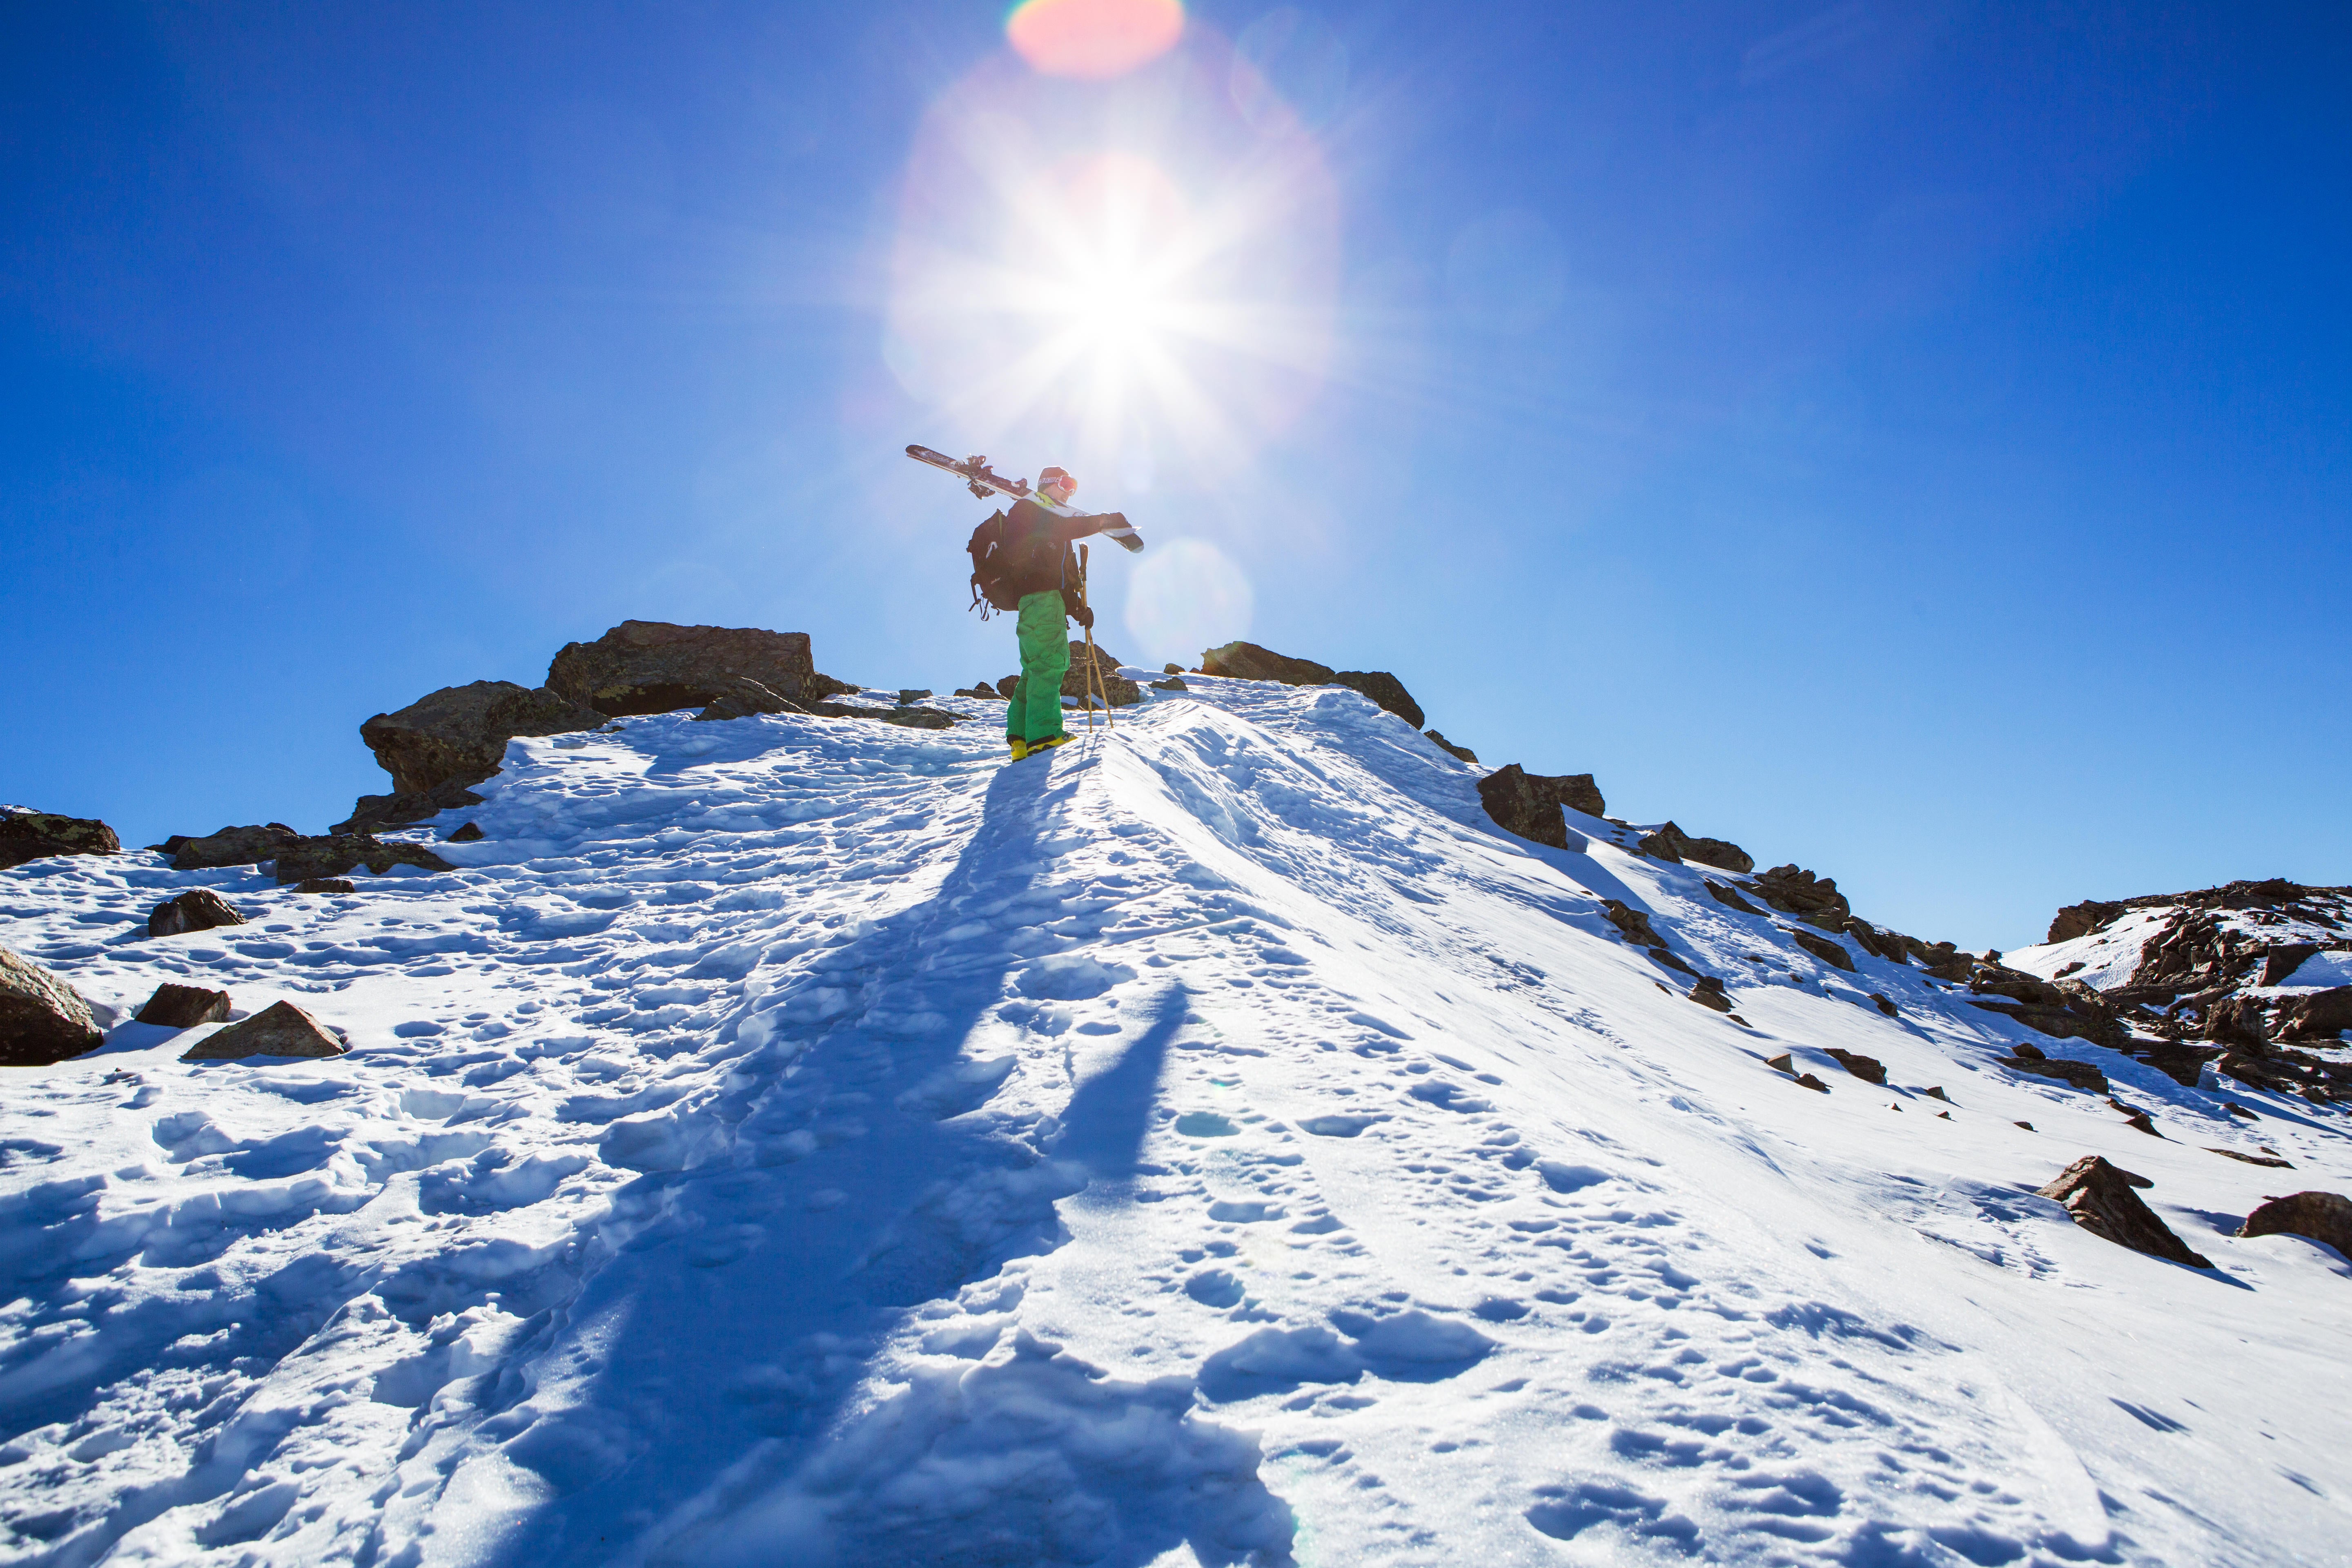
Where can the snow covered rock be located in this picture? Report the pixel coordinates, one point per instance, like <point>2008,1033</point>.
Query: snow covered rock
<point>1247,662</point>
<point>740,697</point>
<point>183,1007</point>
<point>1450,749</point>
<point>2100,1198</point>
<point>37,835</point>
<point>311,859</point>
<point>229,847</point>
<point>655,667</point>
<point>1530,805</point>
<point>281,1029</point>
<point>459,733</point>
<point>1671,843</point>
<point>2324,1217</point>
<point>198,909</point>
<point>1112,687</point>
<point>377,813</point>
<point>42,1018</point>
<point>1386,691</point>
<point>1814,899</point>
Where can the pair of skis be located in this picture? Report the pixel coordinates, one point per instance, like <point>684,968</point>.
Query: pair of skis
<point>984,482</point>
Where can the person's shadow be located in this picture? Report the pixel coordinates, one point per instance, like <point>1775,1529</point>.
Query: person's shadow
<point>840,1180</point>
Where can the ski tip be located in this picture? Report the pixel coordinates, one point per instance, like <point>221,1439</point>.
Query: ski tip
<point>1132,543</point>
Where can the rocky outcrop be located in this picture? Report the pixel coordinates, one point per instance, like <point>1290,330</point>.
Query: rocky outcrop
<point>2083,919</point>
<point>1813,899</point>
<point>654,667</point>
<point>37,835</point>
<point>1529,804</point>
<point>467,833</point>
<point>1870,1070</point>
<point>1442,744</point>
<point>2030,1061</point>
<point>42,1018</point>
<point>377,812</point>
<point>1671,843</point>
<point>2281,961</point>
<point>2100,1198</point>
<point>324,885</point>
<point>1114,688</point>
<point>1729,898</point>
<point>199,908</point>
<point>337,854</point>
<point>1247,662</point>
<point>282,1030</point>
<point>740,697</point>
<point>1386,690</point>
<point>2063,1009</point>
<point>184,1006</point>
<point>2321,1015</point>
<point>1822,948</point>
<point>248,846</point>
<point>984,692</point>
<point>459,733</point>
<point>2324,1217</point>
<point>1172,683</point>
<point>1709,993</point>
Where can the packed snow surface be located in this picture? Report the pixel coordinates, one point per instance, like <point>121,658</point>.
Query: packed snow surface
<point>802,1141</point>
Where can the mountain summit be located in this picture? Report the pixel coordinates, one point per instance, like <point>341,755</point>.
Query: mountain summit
<point>796,1139</point>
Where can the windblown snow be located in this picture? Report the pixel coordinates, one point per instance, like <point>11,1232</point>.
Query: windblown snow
<point>800,1141</point>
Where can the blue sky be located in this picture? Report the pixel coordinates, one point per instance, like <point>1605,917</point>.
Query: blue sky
<point>1910,441</point>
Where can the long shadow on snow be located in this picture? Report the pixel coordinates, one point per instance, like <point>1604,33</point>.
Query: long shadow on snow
<point>728,1330</point>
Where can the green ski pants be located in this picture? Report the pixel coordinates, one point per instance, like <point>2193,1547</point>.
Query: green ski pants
<point>1036,713</point>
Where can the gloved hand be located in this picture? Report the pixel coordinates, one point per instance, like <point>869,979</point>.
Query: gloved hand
<point>1084,614</point>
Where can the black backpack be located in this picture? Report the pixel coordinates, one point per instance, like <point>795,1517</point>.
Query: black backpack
<point>992,586</point>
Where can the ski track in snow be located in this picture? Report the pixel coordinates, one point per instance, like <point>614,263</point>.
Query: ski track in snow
<point>801,1140</point>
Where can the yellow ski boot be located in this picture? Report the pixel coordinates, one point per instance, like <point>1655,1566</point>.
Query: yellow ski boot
<point>1020,747</point>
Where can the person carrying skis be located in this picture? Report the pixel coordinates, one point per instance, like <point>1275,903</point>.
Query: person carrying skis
<point>1043,569</point>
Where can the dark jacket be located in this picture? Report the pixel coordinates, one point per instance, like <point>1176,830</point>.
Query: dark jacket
<point>1038,542</point>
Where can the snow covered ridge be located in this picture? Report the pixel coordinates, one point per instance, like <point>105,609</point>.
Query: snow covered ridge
<point>800,1140</point>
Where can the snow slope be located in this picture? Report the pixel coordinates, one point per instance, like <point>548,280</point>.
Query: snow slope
<point>801,1140</point>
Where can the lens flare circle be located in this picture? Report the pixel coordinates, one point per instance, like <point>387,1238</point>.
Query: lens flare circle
<point>1093,40</point>
<point>1186,597</point>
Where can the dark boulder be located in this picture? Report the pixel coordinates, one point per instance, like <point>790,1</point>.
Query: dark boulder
<point>248,846</point>
<point>1822,948</point>
<point>1247,662</point>
<point>1007,686</point>
<point>1813,899</point>
<point>1442,744</point>
<point>740,697</point>
<point>375,813</point>
<point>654,667</point>
<point>1108,685</point>
<point>1728,898</point>
<point>2080,1074</point>
<point>2321,1015</point>
<point>340,853</point>
<point>467,833</point>
<point>1884,1003</point>
<point>42,1018</point>
<point>1385,689</point>
<point>37,835</point>
<point>1881,944</point>
<point>2082,920</point>
<point>324,885</point>
<point>2100,1198</point>
<point>1709,993</point>
<point>1870,1070</point>
<point>199,908</point>
<point>2238,1021</point>
<point>2283,959</point>
<point>459,733</point>
<point>184,1006</point>
<point>1634,924</point>
<point>282,1030</point>
<point>982,691</point>
<point>2324,1217</point>
<point>1173,683</point>
<point>1517,807</point>
<point>1671,843</point>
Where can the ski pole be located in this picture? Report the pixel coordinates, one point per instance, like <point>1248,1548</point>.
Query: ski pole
<point>1094,664</point>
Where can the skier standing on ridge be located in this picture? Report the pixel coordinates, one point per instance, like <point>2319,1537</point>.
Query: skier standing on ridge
<point>1039,570</point>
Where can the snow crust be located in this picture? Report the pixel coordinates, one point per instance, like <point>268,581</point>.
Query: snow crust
<point>801,1140</point>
